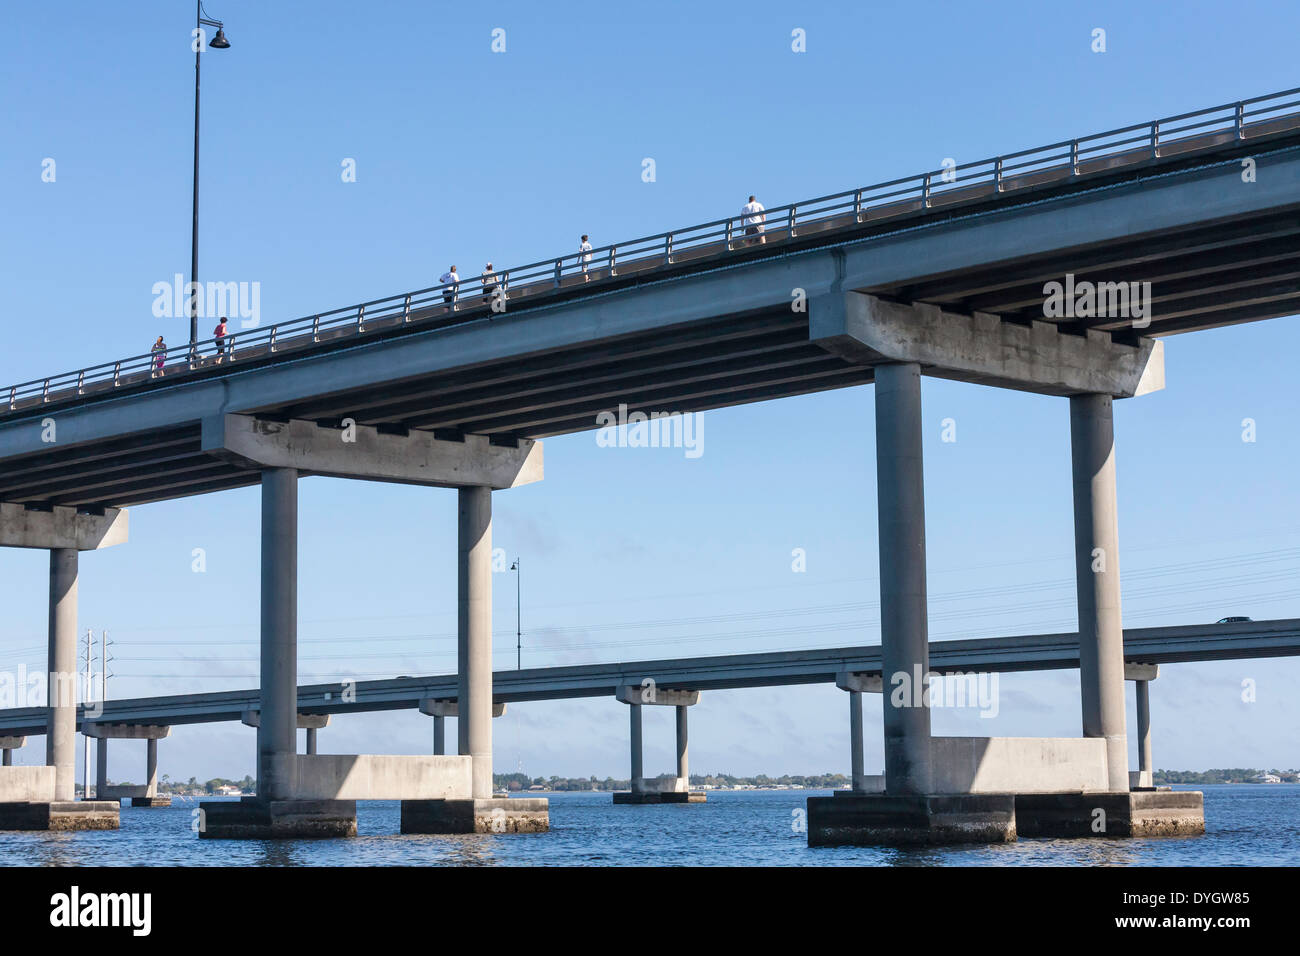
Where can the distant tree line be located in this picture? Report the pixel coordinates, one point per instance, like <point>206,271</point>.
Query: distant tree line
<point>1222,775</point>
<point>516,782</point>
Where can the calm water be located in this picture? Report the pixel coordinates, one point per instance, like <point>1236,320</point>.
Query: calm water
<point>1250,825</point>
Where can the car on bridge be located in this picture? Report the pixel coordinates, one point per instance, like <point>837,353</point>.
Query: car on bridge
<point>1233,620</point>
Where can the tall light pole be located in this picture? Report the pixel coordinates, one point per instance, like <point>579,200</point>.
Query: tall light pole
<point>85,706</point>
<point>519,633</point>
<point>219,42</point>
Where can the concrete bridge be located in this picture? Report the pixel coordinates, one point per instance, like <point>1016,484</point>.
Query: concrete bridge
<point>1026,271</point>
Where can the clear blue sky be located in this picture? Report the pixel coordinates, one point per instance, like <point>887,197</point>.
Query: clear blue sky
<point>463,155</point>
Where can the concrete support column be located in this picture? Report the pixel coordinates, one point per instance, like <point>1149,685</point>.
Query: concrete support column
<point>439,735</point>
<point>101,767</point>
<point>311,740</point>
<point>683,764</point>
<point>1144,725</point>
<point>61,729</point>
<point>1096,557</point>
<point>904,635</point>
<point>474,635</point>
<point>7,758</point>
<point>855,740</point>
<point>277,729</point>
<point>638,767</point>
<point>151,767</point>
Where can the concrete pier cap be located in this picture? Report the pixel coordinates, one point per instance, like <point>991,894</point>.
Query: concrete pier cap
<point>105,731</point>
<point>365,452</point>
<point>253,718</point>
<point>654,695</point>
<point>983,349</point>
<point>431,707</point>
<point>61,527</point>
<point>860,683</point>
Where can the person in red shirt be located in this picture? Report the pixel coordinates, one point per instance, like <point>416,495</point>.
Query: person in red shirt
<point>219,333</point>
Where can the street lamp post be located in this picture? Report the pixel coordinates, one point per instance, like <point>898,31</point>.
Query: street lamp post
<point>219,42</point>
<point>519,633</point>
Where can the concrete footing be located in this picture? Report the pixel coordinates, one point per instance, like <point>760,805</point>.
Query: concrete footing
<point>634,797</point>
<point>151,802</point>
<point>61,815</point>
<point>1142,813</point>
<point>879,819</point>
<point>278,819</point>
<point>496,815</point>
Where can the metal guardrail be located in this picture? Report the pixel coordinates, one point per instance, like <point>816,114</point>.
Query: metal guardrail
<point>473,297</point>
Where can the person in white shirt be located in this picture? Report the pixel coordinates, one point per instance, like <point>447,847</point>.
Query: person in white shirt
<point>754,220</point>
<point>450,281</point>
<point>489,284</point>
<point>584,256</point>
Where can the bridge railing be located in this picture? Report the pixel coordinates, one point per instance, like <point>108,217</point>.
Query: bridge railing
<point>482,296</point>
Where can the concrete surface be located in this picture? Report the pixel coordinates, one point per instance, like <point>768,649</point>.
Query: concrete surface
<point>254,819</point>
<point>382,777</point>
<point>985,350</point>
<point>898,819</point>
<point>417,458</point>
<point>62,815</point>
<point>494,815</point>
<point>61,527</point>
<point>26,784</point>
<point>1017,764</point>
<point>1144,813</point>
<point>1096,562</point>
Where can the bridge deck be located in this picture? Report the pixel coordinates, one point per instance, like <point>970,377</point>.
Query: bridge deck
<point>689,321</point>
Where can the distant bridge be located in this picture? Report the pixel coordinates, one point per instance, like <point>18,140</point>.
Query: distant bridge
<point>1148,645</point>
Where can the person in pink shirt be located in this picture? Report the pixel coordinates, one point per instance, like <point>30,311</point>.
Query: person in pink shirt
<point>219,333</point>
<point>159,352</point>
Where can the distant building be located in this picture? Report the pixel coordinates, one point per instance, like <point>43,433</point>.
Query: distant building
<point>1267,778</point>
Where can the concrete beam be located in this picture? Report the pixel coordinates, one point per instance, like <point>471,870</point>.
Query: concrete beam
<point>661,696</point>
<point>1141,672</point>
<point>12,743</point>
<point>983,349</point>
<point>125,731</point>
<point>253,718</point>
<point>27,785</point>
<point>362,451</point>
<point>382,777</point>
<point>860,683</point>
<point>61,527</point>
<point>451,708</point>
